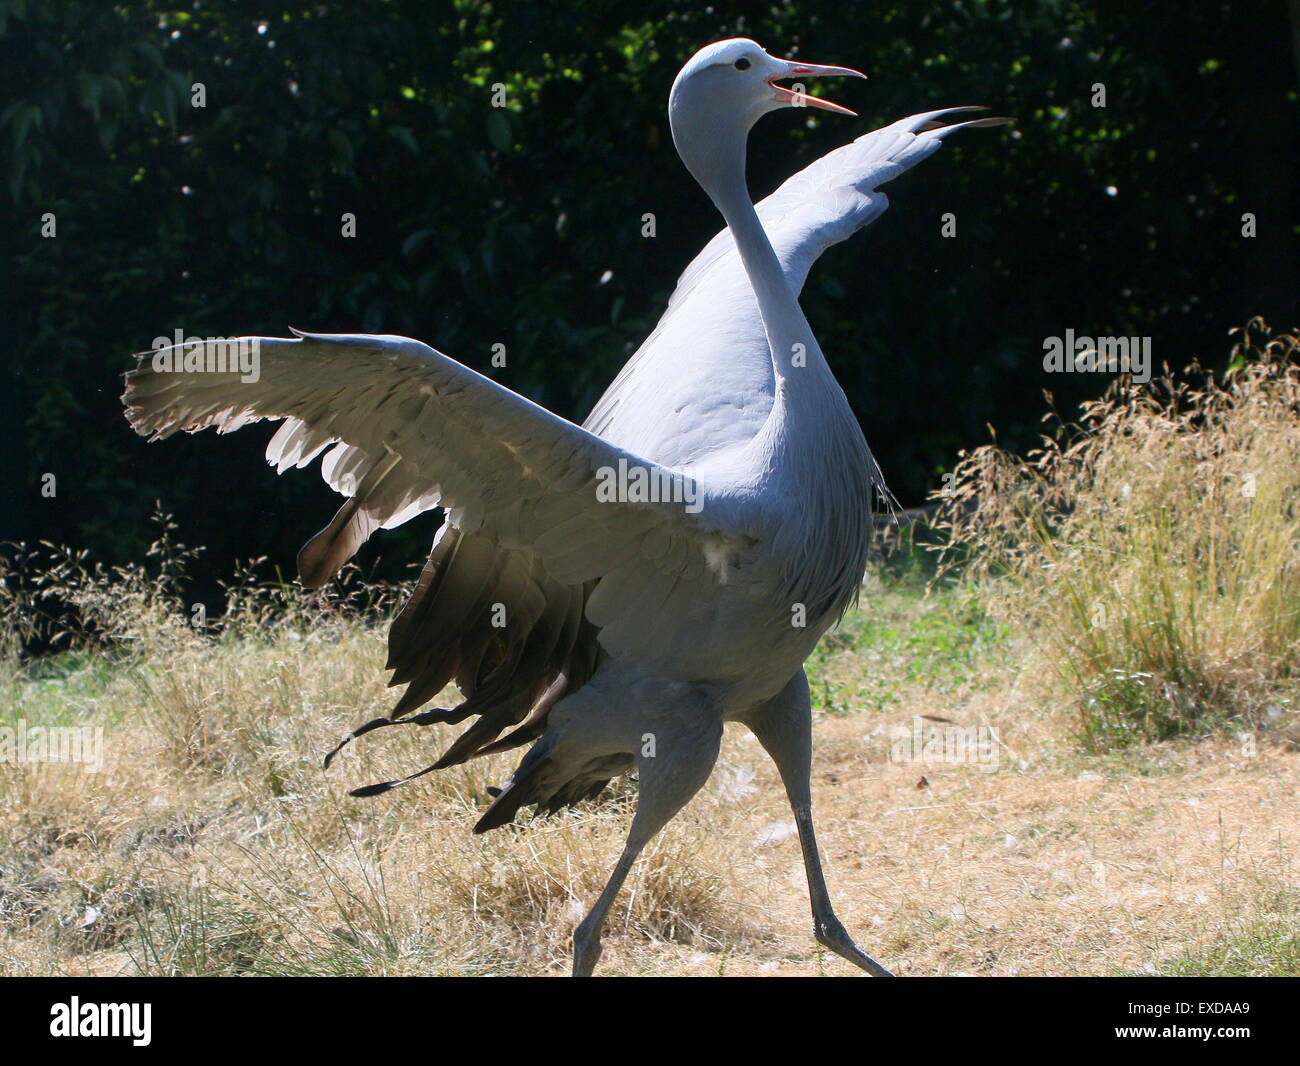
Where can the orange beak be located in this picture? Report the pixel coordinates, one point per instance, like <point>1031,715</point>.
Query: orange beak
<point>810,70</point>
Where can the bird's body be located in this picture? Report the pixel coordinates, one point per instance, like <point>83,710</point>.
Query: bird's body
<point>613,593</point>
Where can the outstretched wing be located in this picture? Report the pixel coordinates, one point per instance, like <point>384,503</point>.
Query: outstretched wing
<point>530,529</point>
<point>409,429</point>
<point>702,381</point>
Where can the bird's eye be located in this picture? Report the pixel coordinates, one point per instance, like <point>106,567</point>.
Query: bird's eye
<point>742,63</point>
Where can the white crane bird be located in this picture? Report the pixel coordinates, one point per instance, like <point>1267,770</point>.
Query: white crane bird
<point>635,625</point>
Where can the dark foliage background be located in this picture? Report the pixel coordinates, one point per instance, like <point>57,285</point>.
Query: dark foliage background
<point>478,225</point>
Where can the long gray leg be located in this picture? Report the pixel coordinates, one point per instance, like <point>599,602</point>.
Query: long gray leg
<point>783,726</point>
<point>680,764</point>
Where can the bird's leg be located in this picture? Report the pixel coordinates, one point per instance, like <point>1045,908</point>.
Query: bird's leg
<point>672,765</point>
<point>586,937</point>
<point>783,726</point>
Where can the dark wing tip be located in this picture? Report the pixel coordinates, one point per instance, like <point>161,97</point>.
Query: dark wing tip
<point>494,818</point>
<point>374,790</point>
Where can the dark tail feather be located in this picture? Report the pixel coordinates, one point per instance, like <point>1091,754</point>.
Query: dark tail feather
<point>520,790</point>
<point>386,786</point>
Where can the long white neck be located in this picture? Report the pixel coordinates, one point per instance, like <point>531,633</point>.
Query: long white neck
<point>794,350</point>
<point>810,449</point>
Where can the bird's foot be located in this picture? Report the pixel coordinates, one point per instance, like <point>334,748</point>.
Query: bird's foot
<point>586,952</point>
<point>831,934</point>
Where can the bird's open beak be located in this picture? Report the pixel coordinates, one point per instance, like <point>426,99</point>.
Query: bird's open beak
<point>809,70</point>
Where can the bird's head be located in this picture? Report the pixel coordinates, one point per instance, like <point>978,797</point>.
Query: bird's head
<point>723,90</point>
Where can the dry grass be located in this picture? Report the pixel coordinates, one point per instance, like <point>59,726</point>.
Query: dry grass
<point>210,841</point>
<point>1153,549</point>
